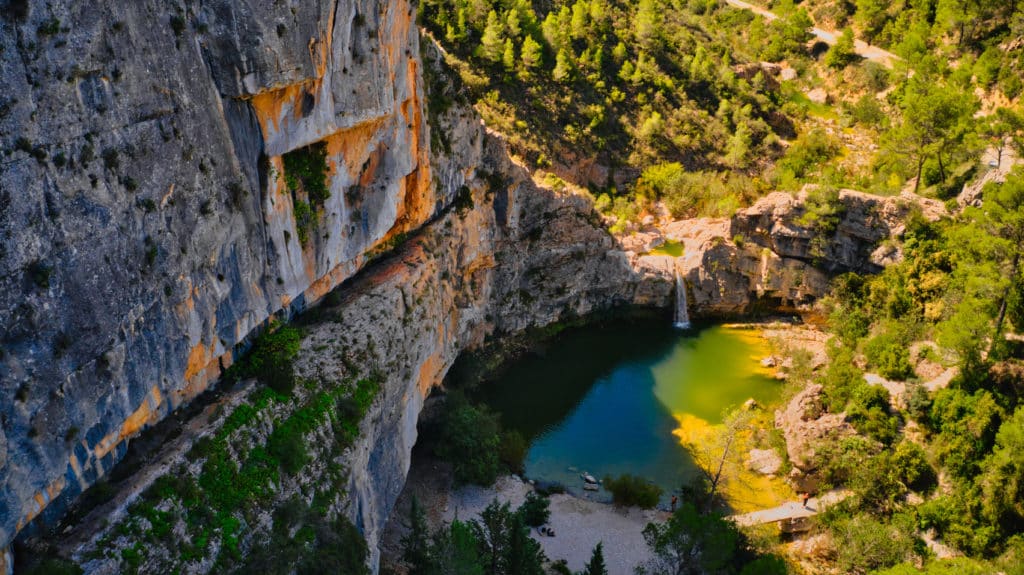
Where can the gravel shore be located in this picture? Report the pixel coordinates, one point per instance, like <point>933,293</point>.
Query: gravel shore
<point>579,524</point>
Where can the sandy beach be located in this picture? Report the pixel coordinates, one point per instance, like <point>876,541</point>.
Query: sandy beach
<point>579,524</point>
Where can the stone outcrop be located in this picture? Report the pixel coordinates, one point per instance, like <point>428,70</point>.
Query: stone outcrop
<point>149,226</point>
<point>520,256</point>
<point>805,424</point>
<point>767,257</point>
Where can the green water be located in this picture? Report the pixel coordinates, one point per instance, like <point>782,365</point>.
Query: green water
<point>669,248</point>
<point>608,399</point>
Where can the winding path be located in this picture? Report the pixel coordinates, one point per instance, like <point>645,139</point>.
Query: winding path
<point>830,37</point>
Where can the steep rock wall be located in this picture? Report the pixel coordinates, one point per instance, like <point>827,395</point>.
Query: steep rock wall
<point>151,227</point>
<point>507,255</point>
<point>148,225</point>
<point>769,257</point>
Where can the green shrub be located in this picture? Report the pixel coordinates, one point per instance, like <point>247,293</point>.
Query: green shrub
<point>290,450</point>
<point>912,466</point>
<point>512,450</point>
<point>535,510</point>
<point>632,491</point>
<point>869,544</point>
<point>868,412</point>
<point>305,169</point>
<point>270,359</point>
<point>888,353</point>
<point>470,440</point>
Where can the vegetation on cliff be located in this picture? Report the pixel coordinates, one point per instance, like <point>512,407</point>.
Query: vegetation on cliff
<point>694,108</point>
<point>951,303</point>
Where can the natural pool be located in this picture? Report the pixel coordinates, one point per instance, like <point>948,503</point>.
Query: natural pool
<point>616,398</point>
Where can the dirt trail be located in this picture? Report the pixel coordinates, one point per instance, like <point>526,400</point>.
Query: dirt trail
<point>830,37</point>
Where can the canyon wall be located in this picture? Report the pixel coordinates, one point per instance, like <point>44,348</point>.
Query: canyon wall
<point>159,203</point>
<point>773,257</point>
<point>148,225</point>
<point>152,224</point>
<point>505,255</point>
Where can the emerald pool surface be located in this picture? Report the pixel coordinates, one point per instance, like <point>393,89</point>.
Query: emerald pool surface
<point>615,398</point>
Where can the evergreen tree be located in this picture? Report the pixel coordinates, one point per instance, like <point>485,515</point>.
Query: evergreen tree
<point>492,44</point>
<point>936,123</point>
<point>531,54</point>
<point>415,544</point>
<point>508,57</point>
<point>492,535</point>
<point>648,24</point>
<point>549,29</point>
<point>578,26</point>
<point>691,544</point>
<point>524,555</point>
<point>870,17</point>
<point>843,53</point>
<point>512,23</point>
<point>596,564</point>
<point>456,550</point>
<point>563,67</point>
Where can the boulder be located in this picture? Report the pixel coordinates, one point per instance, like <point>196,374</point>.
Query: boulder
<point>764,461</point>
<point>819,96</point>
<point>804,424</point>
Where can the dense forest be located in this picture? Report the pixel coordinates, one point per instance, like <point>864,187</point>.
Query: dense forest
<point>697,109</point>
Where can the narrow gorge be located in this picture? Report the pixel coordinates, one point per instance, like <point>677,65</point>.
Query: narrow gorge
<point>180,179</point>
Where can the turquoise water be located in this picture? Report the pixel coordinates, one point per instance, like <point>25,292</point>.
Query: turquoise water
<point>613,399</point>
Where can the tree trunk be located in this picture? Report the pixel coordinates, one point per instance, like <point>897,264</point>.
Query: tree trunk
<point>718,474</point>
<point>920,168</point>
<point>1002,302</point>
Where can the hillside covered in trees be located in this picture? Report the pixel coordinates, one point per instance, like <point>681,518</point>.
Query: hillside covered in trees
<point>696,108</point>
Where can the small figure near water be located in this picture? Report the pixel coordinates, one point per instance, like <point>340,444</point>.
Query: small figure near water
<point>674,501</point>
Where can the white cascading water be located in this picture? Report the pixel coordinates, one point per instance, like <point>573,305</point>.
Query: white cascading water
<point>682,311</point>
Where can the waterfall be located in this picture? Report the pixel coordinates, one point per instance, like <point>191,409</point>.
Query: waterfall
<point>682,320</point>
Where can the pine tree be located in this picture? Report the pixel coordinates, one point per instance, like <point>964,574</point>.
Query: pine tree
<point>563,66</point>
<point>531,55</point>
<point>492,44</point>
<point>523,555</point>
<point>578,25</point>
<point>456,550</point>
<point>508,58</point>
<point>415,547</point>
<point>596,565</point>
<point>513,24</point>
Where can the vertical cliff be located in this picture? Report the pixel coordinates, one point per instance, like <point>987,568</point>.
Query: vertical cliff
<point>174,174</point>
<point>500,254</point>
<point>150,223</point>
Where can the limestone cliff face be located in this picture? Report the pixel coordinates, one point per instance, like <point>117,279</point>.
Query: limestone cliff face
<point>148,228</point>
<point>151,226</point>
<point>507,255</point>
<point>768,257</point>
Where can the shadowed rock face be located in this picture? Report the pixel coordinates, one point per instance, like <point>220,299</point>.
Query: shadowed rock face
<point>149,226</point>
